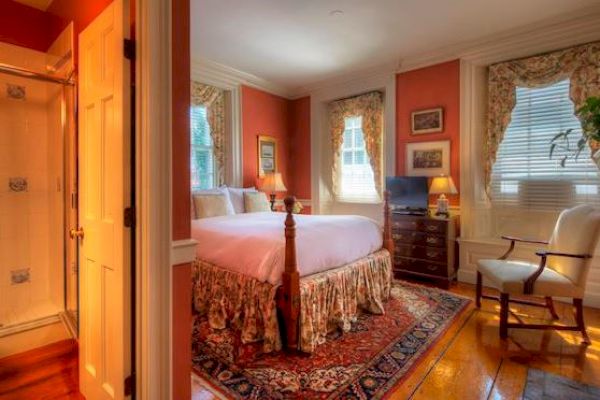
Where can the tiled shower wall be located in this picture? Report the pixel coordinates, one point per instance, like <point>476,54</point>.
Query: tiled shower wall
<point>31,192</point>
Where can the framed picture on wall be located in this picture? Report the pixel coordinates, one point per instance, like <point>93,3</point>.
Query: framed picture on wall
<point>428,158</point>
<point>427,121</point>
<point>267,155</point>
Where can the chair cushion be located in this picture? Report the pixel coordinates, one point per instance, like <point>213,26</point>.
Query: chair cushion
<point>510,276</point>
<point>577,231</point>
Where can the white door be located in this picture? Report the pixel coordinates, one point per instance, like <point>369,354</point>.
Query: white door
<point>104,187</point>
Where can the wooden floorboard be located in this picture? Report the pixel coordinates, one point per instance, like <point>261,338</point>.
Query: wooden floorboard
<point>49,372</point>
<point>471,362</point>
<point>468,362</point>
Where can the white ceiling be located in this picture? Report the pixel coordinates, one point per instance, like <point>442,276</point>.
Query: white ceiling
<point>39,4</point>
<point>294,43</point>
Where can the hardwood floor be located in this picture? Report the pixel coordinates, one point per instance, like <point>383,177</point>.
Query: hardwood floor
<point>49,372</point>
<point>471,362</point>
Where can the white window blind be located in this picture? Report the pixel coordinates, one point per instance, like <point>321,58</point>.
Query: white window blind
<point>524,176</point>
<point>202,157</point>
<point>357,182</point>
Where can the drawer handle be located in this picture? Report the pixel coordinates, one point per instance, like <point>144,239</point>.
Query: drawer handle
<point>432,228</point>
<point>432,267</point>
<point>432,240</point>
<point>414,234</point>
<point>432,254</point>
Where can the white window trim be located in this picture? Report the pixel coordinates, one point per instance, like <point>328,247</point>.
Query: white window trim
<point>323,201</point>
<point>352,149</point>
<point>527,140</point>
<point>215,170</point>
<point>210,75</point>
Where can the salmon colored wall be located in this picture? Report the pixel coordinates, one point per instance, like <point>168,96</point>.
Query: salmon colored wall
<point>35,29</point>
<point>300,148</point>
<point>182,338</point>
<point>288,121</point>
<point>181,119</point>
<point>264,114</point>
<point>182,276</point>
<point>430,87</point>
<point>80,12</point>
<point>27,26</point>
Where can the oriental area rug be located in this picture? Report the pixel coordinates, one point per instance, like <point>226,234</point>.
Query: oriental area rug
<point>366,363</point>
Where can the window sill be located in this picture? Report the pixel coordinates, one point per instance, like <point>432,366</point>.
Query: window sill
<point>365,202</point>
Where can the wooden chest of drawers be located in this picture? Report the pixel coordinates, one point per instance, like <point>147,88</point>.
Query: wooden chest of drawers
<point>425,246</point>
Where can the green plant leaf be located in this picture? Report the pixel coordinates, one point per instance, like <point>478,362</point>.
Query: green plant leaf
<point>552,147</point>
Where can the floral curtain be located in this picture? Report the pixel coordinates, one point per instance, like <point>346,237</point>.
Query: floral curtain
<point>580,64</point>
<point>213,99</point>
<point>370,107</point>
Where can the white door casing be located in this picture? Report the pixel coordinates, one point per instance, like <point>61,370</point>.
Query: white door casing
<point>105,191</point>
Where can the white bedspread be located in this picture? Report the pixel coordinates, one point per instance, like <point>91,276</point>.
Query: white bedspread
<point>254,244</point>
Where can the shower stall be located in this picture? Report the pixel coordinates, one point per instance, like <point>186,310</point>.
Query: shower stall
<point>38,200</point>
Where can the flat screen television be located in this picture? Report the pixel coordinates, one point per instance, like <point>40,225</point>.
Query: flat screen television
<point>408,192</point>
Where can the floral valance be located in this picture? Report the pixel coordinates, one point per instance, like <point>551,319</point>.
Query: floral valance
<point>370,107</point>
<point>213,99</point>
<point>580,64</point>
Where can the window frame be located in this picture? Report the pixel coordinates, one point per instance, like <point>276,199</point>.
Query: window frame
<point>353,149</point>
<point>534,126</point>
<point>197,147</point>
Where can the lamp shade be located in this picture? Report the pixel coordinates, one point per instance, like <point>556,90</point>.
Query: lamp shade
<point>273,183</point>
<point>442,185</point>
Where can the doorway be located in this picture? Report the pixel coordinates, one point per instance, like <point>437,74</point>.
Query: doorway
<point>67,140</point>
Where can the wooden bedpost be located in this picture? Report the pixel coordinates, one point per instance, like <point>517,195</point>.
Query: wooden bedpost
<point>388,242</point>
<point>290,294</point>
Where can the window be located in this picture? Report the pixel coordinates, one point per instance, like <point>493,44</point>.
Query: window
<point>202,157</point>
<point>523,175</point>
<point>357,179</point>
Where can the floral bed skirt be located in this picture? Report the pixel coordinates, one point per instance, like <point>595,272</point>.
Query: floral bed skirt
<point>329,300</point>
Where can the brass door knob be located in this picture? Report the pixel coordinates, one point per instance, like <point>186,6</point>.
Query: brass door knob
<point>76,233</point>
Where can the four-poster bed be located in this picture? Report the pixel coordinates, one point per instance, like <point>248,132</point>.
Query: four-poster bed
<point>290,290</point>
<point>288,294</point>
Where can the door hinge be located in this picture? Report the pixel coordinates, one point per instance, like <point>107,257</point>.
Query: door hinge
<point>129,385</point>
<point>129,49</point>
<point>129,217</point>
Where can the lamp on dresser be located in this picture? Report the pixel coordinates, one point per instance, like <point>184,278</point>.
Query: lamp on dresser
<point>272,184</point>
<point>442,185</point>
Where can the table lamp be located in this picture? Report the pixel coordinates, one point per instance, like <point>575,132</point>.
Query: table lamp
<point>442,185</point>
<point>271,184</point>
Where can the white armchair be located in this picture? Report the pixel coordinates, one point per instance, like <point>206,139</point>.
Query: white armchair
<point>561,272</point>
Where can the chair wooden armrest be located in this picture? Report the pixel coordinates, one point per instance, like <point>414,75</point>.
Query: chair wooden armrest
<point>513,240</point>
<point>546,253</point>
<point>516,239</point>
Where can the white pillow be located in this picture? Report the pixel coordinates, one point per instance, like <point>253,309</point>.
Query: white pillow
<point>211,205</point>
<point>237,198</point>
<point>220,190</point>
<point>256,202</point>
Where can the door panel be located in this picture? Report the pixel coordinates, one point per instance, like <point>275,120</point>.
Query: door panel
<point>104,168</point>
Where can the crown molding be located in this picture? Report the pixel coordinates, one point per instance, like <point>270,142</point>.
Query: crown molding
<point>225,76</point>
<point>345,79</point>
<point>551,34</point>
